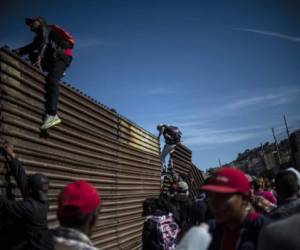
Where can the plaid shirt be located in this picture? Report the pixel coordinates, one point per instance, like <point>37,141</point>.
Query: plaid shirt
<point>71,239</point>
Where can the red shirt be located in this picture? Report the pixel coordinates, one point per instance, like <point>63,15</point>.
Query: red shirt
<point>231,237</point>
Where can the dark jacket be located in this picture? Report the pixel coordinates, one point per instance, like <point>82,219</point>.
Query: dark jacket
<point>171,134</point>
<point>281,235</point>
<point>249,232</point>
<point>288,208</point>
<point>27,217</point>
<point>47,43</point>
<point>199,210</point>
<point>182,208</point>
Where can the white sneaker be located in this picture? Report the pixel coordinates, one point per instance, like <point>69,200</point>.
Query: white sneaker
<point>51,121</point>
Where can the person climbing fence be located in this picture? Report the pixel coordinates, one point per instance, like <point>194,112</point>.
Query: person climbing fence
<point>172,136</point>
<point>50,51</point>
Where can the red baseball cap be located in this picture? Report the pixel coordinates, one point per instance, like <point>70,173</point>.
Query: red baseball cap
<point>228,180</point>
<point>79,194</point>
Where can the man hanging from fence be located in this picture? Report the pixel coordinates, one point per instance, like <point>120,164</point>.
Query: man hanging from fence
<point>172,136</point>
<point>50,51</point>
<point>23,223</point>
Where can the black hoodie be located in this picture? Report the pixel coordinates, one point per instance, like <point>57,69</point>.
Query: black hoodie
<point>24,222</point>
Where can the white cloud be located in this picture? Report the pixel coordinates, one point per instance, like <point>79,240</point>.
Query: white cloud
<point>159,91</point>
<point>217,138</point>
<point>207,136</point>
<point>277,97</point>
<point>251,101</point>
<point>270,33</point>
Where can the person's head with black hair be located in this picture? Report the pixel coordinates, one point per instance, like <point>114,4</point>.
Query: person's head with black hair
<point>258,185</point>
<point>286,184</point>
<point>36,23</point>
<point>163,205</point>
<point>160,126</point>
<point>149,206</point>
<point>154,206</point>
<point>78,206</point>
<point>37,187</point>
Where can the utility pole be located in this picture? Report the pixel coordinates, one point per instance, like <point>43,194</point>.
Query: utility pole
<point>286,126</point>
<point>278,153</point>
<point>263,157</point>
<point>289,140</point>
<point>262,149</point>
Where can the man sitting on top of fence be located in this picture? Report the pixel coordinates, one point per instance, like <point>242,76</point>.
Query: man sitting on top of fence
<point>172,137</point>
<point>50,51</point>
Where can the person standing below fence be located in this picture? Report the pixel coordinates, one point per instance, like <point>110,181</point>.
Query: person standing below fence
<point>281,235</point>
<point>78,209</point>
<point>24,223</point>
<point>182,208</point>
<point>50,51</point>
<point>235,226</point>
<point>172,136</point>
<point>287,188</point>
<point>160,229</point>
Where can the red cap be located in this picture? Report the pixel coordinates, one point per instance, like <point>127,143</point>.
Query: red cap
<point>79,194</point>
<point>228,180</point>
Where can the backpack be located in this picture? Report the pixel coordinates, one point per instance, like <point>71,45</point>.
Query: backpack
<point>167,230</point>
<point>66,36</point>
<point>176,133</point>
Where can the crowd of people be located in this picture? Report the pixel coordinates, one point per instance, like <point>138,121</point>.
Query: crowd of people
<point>235,211</point>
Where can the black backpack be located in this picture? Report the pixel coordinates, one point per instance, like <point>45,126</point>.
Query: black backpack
<point>174,133</point>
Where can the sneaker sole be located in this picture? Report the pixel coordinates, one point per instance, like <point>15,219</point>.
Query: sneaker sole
<point>55,123</point>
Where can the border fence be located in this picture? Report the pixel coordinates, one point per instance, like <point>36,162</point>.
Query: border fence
<point>93,143</point>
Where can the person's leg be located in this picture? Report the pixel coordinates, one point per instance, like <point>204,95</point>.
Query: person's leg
<point>172,149</point>
<point>52,86</point>
<point>163,155</point>
<point>56,71</point>
<point>166,150</point>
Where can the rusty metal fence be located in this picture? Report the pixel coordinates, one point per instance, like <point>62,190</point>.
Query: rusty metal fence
<point>93,143</point>
<point>182,164</point>
<point>196,179</point>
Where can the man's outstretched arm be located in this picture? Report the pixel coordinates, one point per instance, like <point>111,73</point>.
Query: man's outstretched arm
<point>16,167</point>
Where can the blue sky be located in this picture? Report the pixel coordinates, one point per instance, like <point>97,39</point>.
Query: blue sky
<point>223,71</point>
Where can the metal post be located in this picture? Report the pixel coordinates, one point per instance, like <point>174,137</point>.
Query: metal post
<point>289,140</point>
<point>286,126</point>
<point>263,156</point>
<point>278,153</point>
